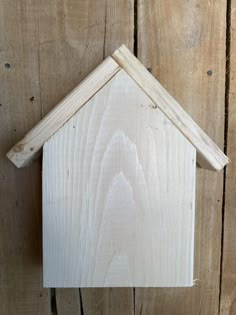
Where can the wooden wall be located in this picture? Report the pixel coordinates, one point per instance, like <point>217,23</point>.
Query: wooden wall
<point>48,47</point>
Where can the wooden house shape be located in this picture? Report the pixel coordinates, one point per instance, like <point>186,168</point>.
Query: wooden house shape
<point>119,164</point>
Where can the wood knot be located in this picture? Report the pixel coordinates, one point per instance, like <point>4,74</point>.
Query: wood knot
<point>18,148</point>
<point>153,106</point>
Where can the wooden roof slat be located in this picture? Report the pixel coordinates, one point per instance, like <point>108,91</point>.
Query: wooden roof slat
<point>28,148</point>
<point>209,155</point>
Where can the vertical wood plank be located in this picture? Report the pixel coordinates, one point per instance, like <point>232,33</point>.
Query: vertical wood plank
<point>228,285</point>
<point>75,36</point>
<point>115,301</point>
<point>183,44</point>
<point>20,190</point>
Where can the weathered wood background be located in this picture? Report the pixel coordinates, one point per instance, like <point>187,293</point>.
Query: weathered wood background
<point>46,48</point>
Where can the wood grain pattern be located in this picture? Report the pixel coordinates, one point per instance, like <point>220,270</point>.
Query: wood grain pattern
<point>228,285</point>
<point>21,289</point>
<point>209,156</point>
<point>27,148</point>
<point>118,195</point>
<point>188,40</point>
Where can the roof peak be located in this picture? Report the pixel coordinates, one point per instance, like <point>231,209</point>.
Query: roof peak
<point>209,156</point>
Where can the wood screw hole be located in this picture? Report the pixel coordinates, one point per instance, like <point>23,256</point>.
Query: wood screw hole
<point>7,66</point>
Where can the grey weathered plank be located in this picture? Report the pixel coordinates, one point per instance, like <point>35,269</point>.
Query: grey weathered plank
<point>21,290</point>
<point>183,44</point>
<point>75,36</point>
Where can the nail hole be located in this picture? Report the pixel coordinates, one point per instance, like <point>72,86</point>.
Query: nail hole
<point>32,99</point>
<point>15,130</point>
<point>209,72</point>
<point>31,149</point>
<point>7,65</point>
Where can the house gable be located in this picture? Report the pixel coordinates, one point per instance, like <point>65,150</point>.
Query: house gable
<point>209,155</point>
<point>118,195</point>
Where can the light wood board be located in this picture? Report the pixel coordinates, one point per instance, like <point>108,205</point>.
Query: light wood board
<point>21,289</point>
<point>118,195</point>
<point>188,40</point>
<point>228,285</point>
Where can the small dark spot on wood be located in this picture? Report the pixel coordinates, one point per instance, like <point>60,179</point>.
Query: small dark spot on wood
<point>73,126</point>
<point>0,104</point>
<point>32,99</point>
<point>7,65</point>
<point>149,69</point>
<point>32,149</point>
<point>41,294</point>
<point>218,200</point>
<point>209,72</point>
<point>15,130</point>
<point>17,203</point>
<point>153,106</point>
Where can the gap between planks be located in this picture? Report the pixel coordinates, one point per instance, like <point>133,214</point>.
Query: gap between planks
<point>227,91</point>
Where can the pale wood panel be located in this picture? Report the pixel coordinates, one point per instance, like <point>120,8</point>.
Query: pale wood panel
<point>209,155</point>
<point>188,40</point>
<point>74,38</point>
<point>21,289</point>
<point>118,195</point>
<point>228,285</point>
<point>29,147</point>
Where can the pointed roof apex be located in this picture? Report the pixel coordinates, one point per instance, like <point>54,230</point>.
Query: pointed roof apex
<point>209,155</point>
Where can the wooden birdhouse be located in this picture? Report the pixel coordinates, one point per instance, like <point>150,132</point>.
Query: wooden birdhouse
<point>119,164</point>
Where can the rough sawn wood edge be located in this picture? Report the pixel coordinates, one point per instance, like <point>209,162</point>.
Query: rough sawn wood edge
<point>29,147</point>
<point>209,155</point>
